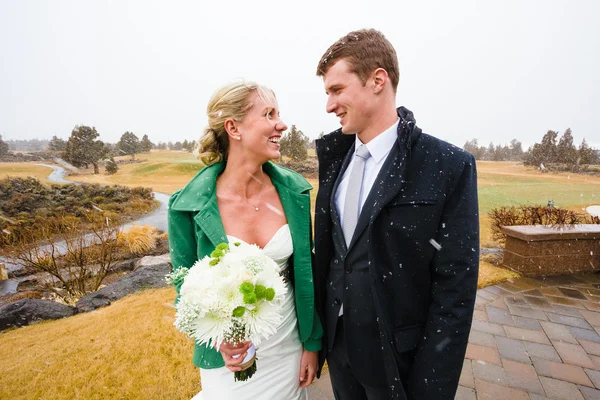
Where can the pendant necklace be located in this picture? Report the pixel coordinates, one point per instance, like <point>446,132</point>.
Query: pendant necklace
<point>248,201</point>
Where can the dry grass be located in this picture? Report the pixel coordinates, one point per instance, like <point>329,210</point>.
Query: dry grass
<point>129,350</point>
<point>24,170</point>
<point>164,171</point>
<point>490,274</point>
<point>139,239</point>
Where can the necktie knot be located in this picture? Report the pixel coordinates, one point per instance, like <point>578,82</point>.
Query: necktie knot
<point>363,152</point>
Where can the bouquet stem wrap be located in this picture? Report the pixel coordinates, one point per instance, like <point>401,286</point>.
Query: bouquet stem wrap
<point>248,366</point>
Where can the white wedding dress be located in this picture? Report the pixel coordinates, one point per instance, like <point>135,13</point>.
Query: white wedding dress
<point>278,357</point>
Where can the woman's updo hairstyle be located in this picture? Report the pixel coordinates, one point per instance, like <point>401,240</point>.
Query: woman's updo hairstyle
<point>231,101</point>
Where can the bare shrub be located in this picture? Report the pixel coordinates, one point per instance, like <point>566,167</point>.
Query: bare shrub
<point>534,215</point>
<point>77,259</point>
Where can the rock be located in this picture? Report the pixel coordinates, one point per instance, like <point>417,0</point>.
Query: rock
<point>127,265</point>
<point>28,282</point>
<point>149,273</point>
<point>28,311</point>
<point>497,251</point>
<point>19,272</point>
<point>153,261</point>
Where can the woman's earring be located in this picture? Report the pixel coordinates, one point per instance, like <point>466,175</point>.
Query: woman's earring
<point>238,137</point>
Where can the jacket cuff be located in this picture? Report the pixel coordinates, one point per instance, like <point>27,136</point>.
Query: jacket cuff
<point>312,345</point>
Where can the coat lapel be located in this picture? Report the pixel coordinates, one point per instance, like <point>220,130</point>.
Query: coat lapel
<point>295,200</point>
<point>200,196</point>
<point>209,221</point>
<point>296,212</point>
<point>388,183</point>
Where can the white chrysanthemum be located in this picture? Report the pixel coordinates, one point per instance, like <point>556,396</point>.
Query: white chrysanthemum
<point>263,321</point>
<point>211,329</point>
<point>210,294</point>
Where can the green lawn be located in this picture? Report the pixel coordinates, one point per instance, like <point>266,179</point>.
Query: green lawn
<point>502,190</point>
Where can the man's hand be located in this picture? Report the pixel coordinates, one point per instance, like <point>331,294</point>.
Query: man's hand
<point>234,355</point>
<point>308,367</point>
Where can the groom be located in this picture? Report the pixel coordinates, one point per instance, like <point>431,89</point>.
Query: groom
<point>396,236</point>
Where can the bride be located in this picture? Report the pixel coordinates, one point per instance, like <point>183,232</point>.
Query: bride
<point>241,196</point>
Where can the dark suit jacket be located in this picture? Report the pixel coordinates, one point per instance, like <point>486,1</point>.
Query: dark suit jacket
<point>420,225</point>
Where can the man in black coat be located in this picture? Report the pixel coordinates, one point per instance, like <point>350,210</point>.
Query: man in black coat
<point>396,236</point>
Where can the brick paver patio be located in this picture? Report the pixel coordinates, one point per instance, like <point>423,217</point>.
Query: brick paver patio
<point>532,338</point>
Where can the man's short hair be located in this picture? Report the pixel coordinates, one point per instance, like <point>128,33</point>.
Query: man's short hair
<point>364,50</point>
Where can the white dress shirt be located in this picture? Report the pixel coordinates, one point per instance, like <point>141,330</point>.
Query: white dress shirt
<point>379,147</point>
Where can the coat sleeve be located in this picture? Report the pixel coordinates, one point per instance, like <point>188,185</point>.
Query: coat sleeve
<point>315,340</point>
<point>182,240</point>
<point>438,362</point>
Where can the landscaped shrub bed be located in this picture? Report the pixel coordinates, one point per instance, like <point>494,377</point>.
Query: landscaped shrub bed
<point>25,203</point>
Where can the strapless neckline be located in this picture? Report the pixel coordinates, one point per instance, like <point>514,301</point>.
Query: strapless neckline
<point>279,248</point>
<point>273,238</point>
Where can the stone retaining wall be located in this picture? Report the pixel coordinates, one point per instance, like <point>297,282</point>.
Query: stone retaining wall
<point>539,250</point>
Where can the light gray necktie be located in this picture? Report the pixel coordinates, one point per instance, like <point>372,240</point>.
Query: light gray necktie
<point>351,205</point>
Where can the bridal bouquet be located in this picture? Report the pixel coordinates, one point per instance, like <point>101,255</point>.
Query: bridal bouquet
<point>233,295</point>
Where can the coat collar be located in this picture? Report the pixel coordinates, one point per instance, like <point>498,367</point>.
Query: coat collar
<point>201,190</point>
<point>199,196</point>
<point>336,144</point>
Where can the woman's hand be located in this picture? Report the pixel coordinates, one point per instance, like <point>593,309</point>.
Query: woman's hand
<point>308,367</point>
<point>234,355</point>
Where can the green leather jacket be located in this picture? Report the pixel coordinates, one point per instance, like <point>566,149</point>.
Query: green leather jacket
<point>195,228</point>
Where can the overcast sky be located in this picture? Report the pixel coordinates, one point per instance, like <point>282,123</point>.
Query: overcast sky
<point>468,69</point>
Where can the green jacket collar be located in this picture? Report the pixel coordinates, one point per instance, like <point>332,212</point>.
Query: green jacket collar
<point>200,191</point>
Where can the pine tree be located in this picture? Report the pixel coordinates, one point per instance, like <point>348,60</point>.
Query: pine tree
<point>566,152</point>
<point>515,150</point>
<point>586,155</point>
<point>472,146</point>
<point>129,144</point>
<point>146,144</point>
<point>83,149</point>
<point>544,152</point>
<point>57,144</point>
<point>294,144</point>
<point>3,147</point>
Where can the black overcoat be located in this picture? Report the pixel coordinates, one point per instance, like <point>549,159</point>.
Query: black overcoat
<point>422,226</point>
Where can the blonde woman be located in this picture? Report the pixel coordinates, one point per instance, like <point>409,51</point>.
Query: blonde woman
<point>241,194</point>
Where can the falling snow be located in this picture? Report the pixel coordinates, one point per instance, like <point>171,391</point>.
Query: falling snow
<point>435,244</point>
